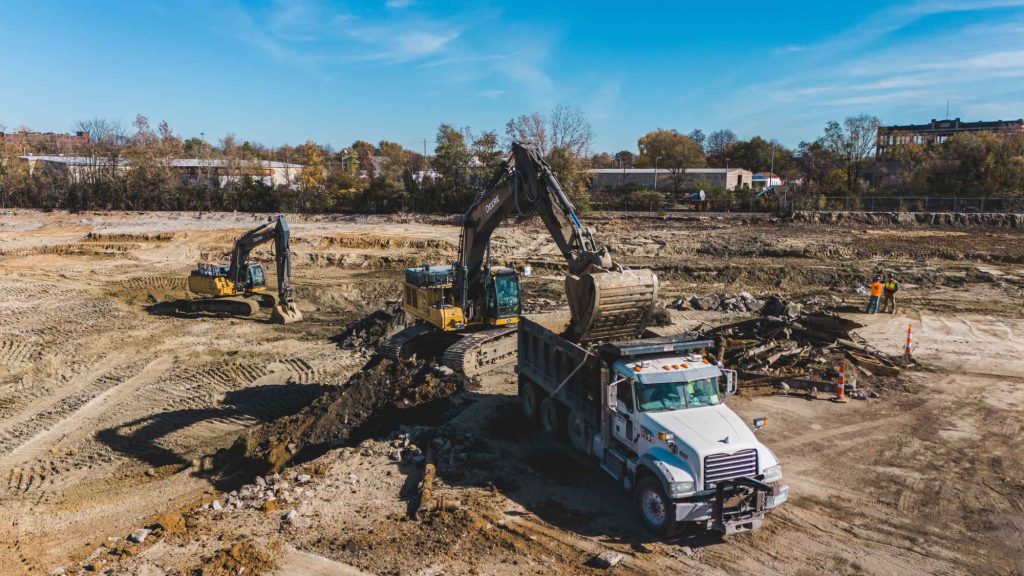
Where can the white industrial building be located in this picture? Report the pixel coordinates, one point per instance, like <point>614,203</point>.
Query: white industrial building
<point>191,170</point>
<point>728,178</point>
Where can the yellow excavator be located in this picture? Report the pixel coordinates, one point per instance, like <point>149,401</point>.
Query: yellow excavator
<point>476,305</point>
<point>240,287</point>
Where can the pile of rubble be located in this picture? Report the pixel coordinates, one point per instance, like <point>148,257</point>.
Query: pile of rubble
<point>789,348</point>
<point>744,302</point>
<point>740,302</point>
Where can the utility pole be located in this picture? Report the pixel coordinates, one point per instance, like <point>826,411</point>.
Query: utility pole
<point>656,173</point>
<point>424,148</point>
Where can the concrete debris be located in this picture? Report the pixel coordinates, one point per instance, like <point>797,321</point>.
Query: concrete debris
<point>788,348</point>
<point>606,559</point>
<point>216,505</point>
<point>139,536</point>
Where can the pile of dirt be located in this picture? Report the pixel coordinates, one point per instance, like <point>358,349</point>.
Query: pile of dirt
<point>369,331</point>
<point>371,402</point>
<point>241,558</point>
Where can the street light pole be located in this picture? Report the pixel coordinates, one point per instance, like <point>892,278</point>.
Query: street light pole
<point>656,173</point>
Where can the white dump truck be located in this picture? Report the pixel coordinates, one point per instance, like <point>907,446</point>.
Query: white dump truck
<point>651,412</point>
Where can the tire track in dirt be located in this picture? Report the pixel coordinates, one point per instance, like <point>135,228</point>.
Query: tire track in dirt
<point>69,426</point>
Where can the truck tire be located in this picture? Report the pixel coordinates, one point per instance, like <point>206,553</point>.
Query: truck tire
<point>550,419</point>
<point>529,399</point>
<point>578,433</point>
<point>656,509</point>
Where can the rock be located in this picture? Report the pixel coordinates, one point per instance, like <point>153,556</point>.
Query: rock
<point>352,478</point>
<point>303,478</point>
<point>395,455</point>
<point>606,559</point>
<point>444,370</point>
<point>216,505</point>
<point>171,522</point>
<point>706,302</point>
<point>873,394</point>
<point>139,536</point>
<point>290,517</point>
<point>260,481</point>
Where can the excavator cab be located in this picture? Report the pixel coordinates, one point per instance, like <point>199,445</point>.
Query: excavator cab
<point>501,302</point>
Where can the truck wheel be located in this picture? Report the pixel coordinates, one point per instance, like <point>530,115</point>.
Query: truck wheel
<point>528,399</point>
<point>550,420</point>
<point>577,429</point>
<point>656,509</point>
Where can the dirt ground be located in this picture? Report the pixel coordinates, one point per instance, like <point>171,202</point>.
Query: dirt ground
<point>111,412</point>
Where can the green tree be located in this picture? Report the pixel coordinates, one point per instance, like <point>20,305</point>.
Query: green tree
<point>451,161</point>
<point>571,176</point>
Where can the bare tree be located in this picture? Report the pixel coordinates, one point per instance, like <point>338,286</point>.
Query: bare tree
<point>854,141</point>
<point>566,128</point>
<point>717,146</point>
<point>530,129</point>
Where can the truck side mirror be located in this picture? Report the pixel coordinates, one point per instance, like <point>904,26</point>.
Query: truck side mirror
<point>730,382</point>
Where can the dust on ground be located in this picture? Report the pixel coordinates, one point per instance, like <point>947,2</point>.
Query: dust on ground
<point>111,417</point>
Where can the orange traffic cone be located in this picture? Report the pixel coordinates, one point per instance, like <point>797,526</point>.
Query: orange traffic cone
<point>841,383</point>
<point>910,340</point>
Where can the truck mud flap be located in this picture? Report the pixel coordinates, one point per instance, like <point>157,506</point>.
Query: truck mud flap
<point>739,505</point>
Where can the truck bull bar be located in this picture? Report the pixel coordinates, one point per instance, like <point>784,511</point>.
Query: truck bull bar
<point>739,505</point>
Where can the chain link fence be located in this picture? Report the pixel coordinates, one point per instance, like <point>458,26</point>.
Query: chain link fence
<point>783,204</point>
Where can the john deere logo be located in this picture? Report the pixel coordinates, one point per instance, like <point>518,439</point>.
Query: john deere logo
<point>490,205</point>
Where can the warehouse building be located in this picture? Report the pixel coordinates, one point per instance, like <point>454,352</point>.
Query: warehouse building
<point>612,178</point>
<point>191,170</point>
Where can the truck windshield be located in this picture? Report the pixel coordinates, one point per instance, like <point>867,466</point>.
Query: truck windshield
<point>666,396</point>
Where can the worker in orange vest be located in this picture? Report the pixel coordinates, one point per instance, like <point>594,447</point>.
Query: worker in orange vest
<point>876,293</point>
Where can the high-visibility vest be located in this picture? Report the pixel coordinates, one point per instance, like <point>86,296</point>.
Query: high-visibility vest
<point>891,286</point>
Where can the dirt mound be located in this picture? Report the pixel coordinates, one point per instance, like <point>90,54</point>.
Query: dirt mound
<point>369,331</point>
<point>148,290</point>
<point>241,558</point>
<point>116,237</point>
<point>367,403</point>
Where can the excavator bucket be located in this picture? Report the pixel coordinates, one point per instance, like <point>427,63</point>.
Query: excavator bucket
<point>609,306</point>
<point>285,314</point>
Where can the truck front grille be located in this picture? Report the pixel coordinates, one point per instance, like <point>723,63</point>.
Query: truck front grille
<point>727,466</point>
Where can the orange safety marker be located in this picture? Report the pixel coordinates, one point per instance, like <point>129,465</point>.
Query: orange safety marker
<point>841,383</point>
<point>910,340</point>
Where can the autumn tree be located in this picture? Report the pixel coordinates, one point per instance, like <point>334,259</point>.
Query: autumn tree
<point>672,150</point>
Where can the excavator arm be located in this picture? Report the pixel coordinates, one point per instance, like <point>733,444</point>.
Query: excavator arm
<point>277,230</point>
<point>607,301</point>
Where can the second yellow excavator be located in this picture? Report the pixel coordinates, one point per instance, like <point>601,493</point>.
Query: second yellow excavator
<point>240,287</point>
<point>477,305</point>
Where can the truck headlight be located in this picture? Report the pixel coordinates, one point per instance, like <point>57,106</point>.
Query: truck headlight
<point>680,488</point>
<point>773,474</point>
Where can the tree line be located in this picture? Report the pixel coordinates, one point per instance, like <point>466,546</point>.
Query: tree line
<point>131,167</point>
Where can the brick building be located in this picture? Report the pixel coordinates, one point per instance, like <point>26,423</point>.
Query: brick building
<point>44,140</point>
<point>937,131</point>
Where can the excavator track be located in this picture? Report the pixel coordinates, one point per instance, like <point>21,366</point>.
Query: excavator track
<point>234,305</point>
<point>478,352</point>
<point>399,344</point>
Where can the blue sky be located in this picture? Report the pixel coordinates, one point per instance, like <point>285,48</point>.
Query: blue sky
<point>283,71</point>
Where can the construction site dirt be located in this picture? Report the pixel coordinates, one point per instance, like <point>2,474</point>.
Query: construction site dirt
<point>135,439</point>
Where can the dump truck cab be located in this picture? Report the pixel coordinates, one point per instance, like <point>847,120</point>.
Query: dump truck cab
<point>683,444</point>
